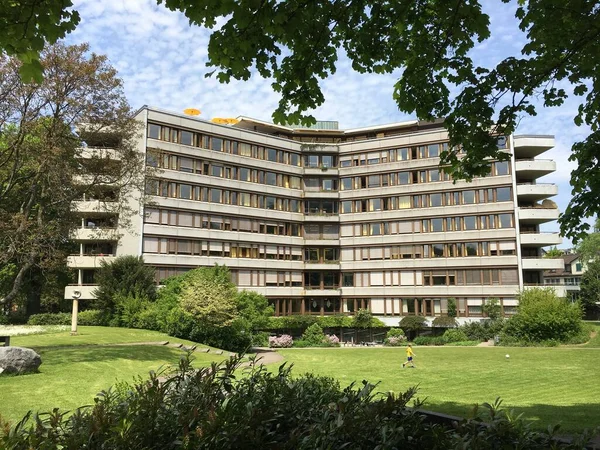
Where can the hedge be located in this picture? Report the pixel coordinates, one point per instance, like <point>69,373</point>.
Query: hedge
<point>91,317</point>
<point>302,322</point>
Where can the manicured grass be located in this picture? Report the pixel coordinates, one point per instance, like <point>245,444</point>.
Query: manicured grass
<point>95,336</point>
<point>74,368</point>
<point>547,385</point>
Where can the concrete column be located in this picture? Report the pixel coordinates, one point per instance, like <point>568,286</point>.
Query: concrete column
<point>74,316</point>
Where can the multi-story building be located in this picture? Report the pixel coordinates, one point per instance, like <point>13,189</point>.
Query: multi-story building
<point>327,221</point>
<point>566,281</point>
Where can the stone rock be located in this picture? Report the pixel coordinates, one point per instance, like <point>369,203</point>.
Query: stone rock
<point>18,360</point>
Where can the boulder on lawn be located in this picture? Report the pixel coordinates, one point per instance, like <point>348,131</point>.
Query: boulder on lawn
<point>18,360</point>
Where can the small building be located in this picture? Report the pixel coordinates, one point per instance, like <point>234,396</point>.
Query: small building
<point>567,280</point>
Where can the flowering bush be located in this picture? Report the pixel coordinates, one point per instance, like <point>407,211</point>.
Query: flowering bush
<point>283,341</point>
<point>395,341</point>
<point>395,337</point>
<point>332,340</point>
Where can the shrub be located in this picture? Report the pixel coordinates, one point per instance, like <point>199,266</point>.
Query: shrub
<point>92,317</point>
<point>394,337</point>
<point>429,340</point>
<point>395,341</point>
<point>451,307</point>
<point>492,308</point>
<point>455,335</point>
<point>260,339</point>
<point>332,340</point>
<point>413,323</point>
<point>483,331</point>
<point>303,322</point>
<point>284,341</point>
<point>363,318</point>
<point>50,319</point>
<point>314,335</point>
<point>543,316</point>
<point>444,322</point>
<point>215,408</point>
<point>123,277</point>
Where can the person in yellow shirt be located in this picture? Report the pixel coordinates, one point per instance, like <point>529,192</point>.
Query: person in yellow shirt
<point>409,357</point>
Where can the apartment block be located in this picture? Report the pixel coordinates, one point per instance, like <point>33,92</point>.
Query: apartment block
<point>326,221</point>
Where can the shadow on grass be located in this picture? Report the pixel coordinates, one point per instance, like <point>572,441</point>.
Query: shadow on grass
<point>98,354</point>
<point>571,418</point>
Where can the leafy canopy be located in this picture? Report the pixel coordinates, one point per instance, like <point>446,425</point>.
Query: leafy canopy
<point>209,296</point>
<point>589,294</point>
<point>29,25</point>
<point>127,277</point>
<point>297,43</point>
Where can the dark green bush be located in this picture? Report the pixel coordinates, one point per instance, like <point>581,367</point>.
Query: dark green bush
<point>429,340</point>
<point>303,322</point>
<point>215,408</point>
<point>413,324</point>
<point>314,335</point>
<point>484,330</point>
<point>90,317</point>
<point>444,322</point>
<point>455,335</point>
<point>543,316</point>
<point>50,319</point>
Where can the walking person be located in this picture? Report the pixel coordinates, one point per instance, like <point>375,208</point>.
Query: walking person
<point>409,357</point>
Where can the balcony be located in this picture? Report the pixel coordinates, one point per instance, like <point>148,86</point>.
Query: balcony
<point>536,216</point>
<point>325,171</point>
<point>539,263</point>
<point>321,217</point>
<point>540,239</point>
<point>535,192</point>
<point>88,262</point>
<point>95,234</point>
<point>321,194</point>
<point>95,206</point>
<point>532,169</point>
<point>530,146</point>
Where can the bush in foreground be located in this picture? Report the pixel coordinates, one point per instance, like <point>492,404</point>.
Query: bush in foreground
<point>215,408</point>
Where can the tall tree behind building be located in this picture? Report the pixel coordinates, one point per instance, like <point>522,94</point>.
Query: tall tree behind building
<point>45,164</point>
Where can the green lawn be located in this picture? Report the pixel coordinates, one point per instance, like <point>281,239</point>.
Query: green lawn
<point>547,385</point>
<point>75,368</point>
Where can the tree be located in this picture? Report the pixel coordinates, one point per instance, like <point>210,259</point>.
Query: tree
<point>45,165</point>
<point>28,25</point>
<point>209,295</point>
<point>126,276</point>
<point>410,324</point>
<point>492,308</point>
<point>588,247</point>
<point>254,309</point>
<point>451,307</point>
<point>589,294</point>
<point>362,318</point>
<point>553,253</point>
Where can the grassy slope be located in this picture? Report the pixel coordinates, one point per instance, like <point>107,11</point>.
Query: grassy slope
<point>556,385</point>
<point>74,370</point>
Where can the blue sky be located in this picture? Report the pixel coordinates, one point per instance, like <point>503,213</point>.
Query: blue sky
<point>161,59</point>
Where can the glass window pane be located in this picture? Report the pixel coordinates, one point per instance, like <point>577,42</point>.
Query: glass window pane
<point>503,194</point>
